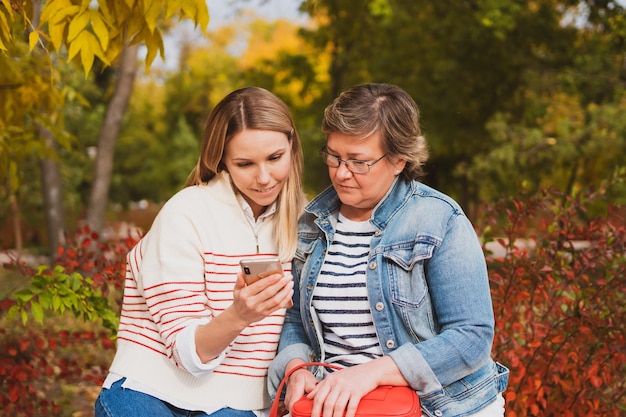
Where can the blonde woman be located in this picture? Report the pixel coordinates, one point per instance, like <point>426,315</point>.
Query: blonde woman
<point>194,339</point>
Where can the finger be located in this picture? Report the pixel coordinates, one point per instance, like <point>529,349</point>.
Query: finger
<point>332,406</point>
<point>240,282</point>
<point>353,404</point>
<point>278,294</point>
<point>318,397</point>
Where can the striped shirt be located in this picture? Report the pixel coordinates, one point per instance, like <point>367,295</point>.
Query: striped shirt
<point>340,297</point>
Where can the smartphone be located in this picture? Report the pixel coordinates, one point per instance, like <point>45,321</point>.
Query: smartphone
<point>255,268</point>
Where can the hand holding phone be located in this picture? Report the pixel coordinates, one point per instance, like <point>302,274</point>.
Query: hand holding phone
<point>255,268</point>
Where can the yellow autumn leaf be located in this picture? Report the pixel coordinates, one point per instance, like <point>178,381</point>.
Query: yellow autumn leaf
<point>33,39</point>
<point>153,10</point>
<point>97,49</point>
<point>86,52</point>
<point>56,30</point>
<point>84,6</point>
<point>103,9</point>
<point>100,28</point>
<point>50,8</point>
<point>171,9</point>
<point>74,47</point>
<point>134,25</point>
<point>189,8</point>
<point>202,15</point>
<point>62,14</point>
<point>154,44</point>
<point>77,25</point>
<point>130,3</point>
<point>2,45</point>
<point>114,49</point>
<point>5,24</point>
<point>5,17</point>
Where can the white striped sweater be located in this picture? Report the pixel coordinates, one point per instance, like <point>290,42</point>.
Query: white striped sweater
<point>183,271</point>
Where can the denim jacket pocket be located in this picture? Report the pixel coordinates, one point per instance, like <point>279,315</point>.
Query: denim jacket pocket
<point>502,379</point>
<point>405,269</point>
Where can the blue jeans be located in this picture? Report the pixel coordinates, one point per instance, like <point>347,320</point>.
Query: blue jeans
<point>124,402</point>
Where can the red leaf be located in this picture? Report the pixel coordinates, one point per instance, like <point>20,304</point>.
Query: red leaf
<point>14,393</point>
<point>596,381</point>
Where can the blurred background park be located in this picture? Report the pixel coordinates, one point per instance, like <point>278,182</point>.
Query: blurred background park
<point>522,102</point>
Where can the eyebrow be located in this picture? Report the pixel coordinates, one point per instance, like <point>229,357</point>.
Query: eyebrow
<point>358,156</point>
<point>277,151</point>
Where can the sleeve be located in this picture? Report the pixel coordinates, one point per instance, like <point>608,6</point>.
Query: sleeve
<point>293,340</point>
<point>172,273</point>
<point>186,354</point>
<point>458,285</point>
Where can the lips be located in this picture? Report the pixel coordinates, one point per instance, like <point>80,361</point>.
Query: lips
<point>265,190</point>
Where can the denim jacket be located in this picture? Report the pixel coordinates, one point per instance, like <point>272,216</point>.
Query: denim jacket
<point>428,291</point>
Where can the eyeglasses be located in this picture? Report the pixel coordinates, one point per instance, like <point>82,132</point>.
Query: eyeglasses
<point>354,165</point>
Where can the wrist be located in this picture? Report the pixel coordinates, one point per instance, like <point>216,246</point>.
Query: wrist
<point>294,363</point>
<point>235,320</point>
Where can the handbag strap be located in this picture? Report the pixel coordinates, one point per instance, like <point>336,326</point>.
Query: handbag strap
<point>275,403</point>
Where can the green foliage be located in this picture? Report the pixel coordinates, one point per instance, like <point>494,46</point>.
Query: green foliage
<point>564,146</point>
<point>57,292</point>
<point>472,66</point>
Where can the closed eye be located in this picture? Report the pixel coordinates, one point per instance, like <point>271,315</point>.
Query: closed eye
<point>358,162</point>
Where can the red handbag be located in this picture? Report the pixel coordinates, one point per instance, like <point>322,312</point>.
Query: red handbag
<point>384,401</point>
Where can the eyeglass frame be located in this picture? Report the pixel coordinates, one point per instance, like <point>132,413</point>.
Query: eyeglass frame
<point>348,162</point>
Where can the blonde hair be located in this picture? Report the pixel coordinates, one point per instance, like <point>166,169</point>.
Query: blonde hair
<point>255,108</point>
<point>365,109</point>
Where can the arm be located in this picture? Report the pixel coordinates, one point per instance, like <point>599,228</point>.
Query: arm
<point>173,274</point>
<point>458,286</point>
<point>250,304</point>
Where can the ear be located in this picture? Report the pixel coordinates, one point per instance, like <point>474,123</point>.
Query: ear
<point>399,165</point>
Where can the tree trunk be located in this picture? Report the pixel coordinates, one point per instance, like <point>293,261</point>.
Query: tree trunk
<point>52,187</point>
<point>52,195</point>
<point>17,223</point>
<point>108,134</point>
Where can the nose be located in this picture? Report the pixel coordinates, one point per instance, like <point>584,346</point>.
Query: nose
<point>342,171</point>
<point>263,175</point>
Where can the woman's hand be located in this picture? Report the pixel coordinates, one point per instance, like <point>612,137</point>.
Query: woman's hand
<point>258,300</point>
<point>251,303</point>
<point>341,391</point>
<point>299,383</point>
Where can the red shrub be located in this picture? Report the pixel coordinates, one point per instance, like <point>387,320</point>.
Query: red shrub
<point>37,361</point>
<point>559,299</point>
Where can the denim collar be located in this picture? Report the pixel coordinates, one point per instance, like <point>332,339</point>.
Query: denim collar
<point>327,202</point>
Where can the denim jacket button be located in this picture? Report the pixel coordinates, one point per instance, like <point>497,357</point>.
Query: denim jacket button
<point>390,344</point>
<point>378,233</point>
<point>380,306</point>
<point>438,413</point>
<point>373,265</point>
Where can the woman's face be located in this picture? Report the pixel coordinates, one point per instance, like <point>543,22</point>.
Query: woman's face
<point>258,162</point>
<point>359,193</point>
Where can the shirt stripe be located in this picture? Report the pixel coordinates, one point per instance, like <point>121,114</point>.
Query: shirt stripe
<point>340,297</point>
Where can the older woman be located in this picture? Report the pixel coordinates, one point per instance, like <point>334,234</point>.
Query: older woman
<point>389,276</point>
